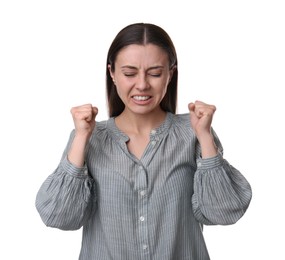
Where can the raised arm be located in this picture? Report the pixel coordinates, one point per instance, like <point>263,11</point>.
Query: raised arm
<point>221,192</point>
<point>66,198</point>
<point>84,122</point>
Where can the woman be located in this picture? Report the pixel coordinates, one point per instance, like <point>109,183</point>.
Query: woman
<point>142,183</point>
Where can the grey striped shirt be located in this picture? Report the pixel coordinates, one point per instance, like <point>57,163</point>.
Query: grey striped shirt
<point>148,209</point>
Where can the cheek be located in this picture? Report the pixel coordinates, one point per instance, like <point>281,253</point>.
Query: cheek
<point>164,89</point>
<point>119,91</point>
<point>122,91</point>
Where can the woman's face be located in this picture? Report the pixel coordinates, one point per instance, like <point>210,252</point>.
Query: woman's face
<point>141,77</point>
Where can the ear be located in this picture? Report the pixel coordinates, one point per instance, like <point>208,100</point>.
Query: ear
<point>171,71</point>
<point>111,73</point>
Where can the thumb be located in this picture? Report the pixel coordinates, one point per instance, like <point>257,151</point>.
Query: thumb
<point>193,116</point>
<point>94,113</point>
<point>95,110</point>
<point>191,107</point>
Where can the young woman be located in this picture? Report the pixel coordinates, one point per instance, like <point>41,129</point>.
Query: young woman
<point>143,182</point>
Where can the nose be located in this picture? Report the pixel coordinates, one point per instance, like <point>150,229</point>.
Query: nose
<point>142,83</point>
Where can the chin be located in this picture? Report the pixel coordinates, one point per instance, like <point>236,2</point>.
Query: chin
<point>142,111</point>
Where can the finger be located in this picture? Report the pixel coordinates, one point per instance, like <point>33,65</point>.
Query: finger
<point>198,102</point>
<point>191,107</point>
<point>95,110</point>
<point>208,110</point>
<point>82,115</point>
<point>195,109</point>
<point>91,113</point>
<point>81,108</point>
<point>94,113</point>
<point>202,104</point>
<point>204,108</point>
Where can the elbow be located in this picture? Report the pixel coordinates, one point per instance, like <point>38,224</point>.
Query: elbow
<point>226,212</point>
<point>224,215</point>
<point>59,222</point>
<point>53,218</point>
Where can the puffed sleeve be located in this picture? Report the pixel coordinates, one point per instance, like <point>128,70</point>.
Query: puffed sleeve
<point>221,193</point>
<point>66,198</point>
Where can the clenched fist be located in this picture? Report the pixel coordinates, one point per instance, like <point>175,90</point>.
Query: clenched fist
<point>201,116</point>
<point>84,118</point>
<point>84,122</point>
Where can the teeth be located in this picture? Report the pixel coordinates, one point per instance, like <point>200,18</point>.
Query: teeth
<point>141,97</point>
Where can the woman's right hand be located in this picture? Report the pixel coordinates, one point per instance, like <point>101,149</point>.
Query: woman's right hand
<point>84,122</point>
<point>84,119</point>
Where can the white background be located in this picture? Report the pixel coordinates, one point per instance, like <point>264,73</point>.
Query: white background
<point>52,57</point>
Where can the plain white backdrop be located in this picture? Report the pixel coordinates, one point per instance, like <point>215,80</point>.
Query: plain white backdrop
<point>52,57</point>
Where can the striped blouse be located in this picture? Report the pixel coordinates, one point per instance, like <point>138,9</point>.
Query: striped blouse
<point>148,209</point>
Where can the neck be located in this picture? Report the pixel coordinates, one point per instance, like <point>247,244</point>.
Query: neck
<point>140,123</point>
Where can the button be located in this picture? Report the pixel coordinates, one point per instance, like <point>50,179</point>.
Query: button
<point>153,142</point>
<point>199,164</point>
<point>145,247</point>
<point>153,132</point>
<point>141,168</point>
<point>141,218</point>
<point>85,172</point>
<point>143,193</point>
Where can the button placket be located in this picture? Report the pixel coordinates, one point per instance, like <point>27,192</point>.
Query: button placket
<point>141,186</point>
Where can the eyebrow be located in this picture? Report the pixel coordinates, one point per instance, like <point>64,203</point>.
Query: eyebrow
<point>150,68</point>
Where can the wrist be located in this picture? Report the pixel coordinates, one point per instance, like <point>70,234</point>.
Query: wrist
<point>208,146</point>
<point>76,153</point>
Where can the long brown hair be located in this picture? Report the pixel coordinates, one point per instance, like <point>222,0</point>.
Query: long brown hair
<point>141,33</point>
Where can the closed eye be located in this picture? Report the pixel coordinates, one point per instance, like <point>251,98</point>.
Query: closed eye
<point>129,74</point>
<point>155,75</point>
<point>155,72</point>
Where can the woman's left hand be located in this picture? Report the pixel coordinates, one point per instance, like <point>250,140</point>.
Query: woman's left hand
<point>201,116</point>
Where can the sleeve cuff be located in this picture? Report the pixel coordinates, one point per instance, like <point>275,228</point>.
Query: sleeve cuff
<point>80,172</point>
<point>210,163</point>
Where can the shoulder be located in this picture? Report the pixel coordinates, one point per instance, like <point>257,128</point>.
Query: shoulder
<point>100,129</point>
<point>182,120</point>
<point>106,130</point>
<point>181,125</point>
<point>101,125</point>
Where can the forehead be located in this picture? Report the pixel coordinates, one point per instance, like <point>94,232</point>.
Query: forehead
<point>139,55</point>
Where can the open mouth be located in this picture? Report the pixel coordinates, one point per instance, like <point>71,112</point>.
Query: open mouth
<point>141,98</point>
